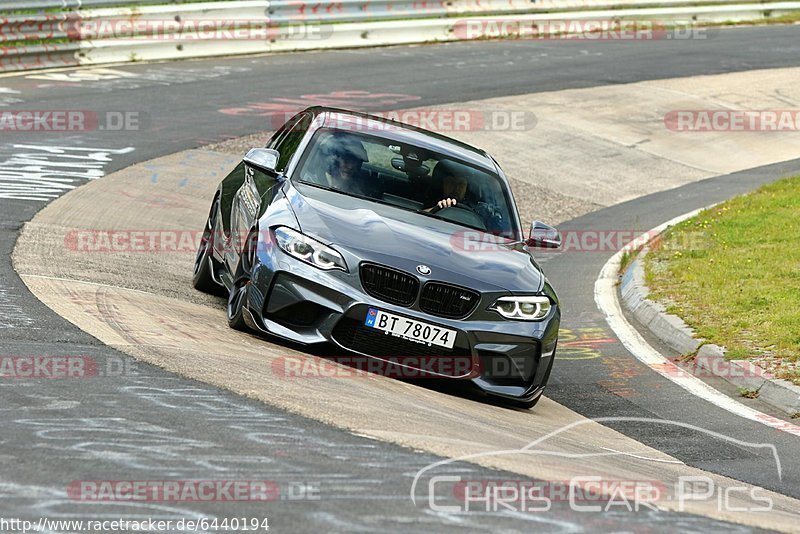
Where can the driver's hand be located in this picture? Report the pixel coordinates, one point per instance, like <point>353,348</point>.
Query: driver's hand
<point>446,203</point>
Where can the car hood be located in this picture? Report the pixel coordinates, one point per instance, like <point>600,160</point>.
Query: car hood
<point>404,239</point>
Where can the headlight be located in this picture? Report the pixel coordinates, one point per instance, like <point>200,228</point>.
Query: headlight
<point>533,308</point>
<point>308,250</point>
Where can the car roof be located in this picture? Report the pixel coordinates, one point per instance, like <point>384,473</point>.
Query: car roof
<point>404,133</point>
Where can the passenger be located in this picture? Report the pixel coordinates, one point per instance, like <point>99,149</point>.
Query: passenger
<point>344,171</point>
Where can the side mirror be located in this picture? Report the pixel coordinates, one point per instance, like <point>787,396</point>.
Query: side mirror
<point>543,236</point>
<point>263,159</point>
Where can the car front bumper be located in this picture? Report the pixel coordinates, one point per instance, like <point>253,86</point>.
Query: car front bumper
<point>298,302</point>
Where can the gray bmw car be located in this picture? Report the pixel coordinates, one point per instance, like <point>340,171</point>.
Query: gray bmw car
<point>395,244</point>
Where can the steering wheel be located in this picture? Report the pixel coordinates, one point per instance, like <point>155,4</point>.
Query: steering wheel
<point>461,213</point>
<point>460,205</point>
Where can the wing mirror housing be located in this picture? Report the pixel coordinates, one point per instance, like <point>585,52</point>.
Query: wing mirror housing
<point>543,236</point>
<point>262,159</point>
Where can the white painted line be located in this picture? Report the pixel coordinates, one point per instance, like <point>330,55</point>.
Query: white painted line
<point>93,74</point>
<point>44,172</point>
<point>605,295</point>
<point>29,72</point>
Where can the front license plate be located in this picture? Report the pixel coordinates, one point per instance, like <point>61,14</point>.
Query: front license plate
<point>410,329</point>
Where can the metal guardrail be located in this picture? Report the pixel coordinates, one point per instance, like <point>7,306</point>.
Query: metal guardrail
<point>351,10</point>
<point>40,5</point>
<point>39,57</point>
<point>76,35</point>
<point>24,28</point>
<point>72,5</point>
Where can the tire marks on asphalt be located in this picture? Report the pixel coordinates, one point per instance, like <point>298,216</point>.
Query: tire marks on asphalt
<point>12,311</point>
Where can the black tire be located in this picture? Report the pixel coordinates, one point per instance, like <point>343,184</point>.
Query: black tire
<point>237,298</point>
<point>202,279</point>
<point>236,302</point>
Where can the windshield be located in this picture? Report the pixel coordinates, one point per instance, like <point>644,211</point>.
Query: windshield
<point>410,178</point>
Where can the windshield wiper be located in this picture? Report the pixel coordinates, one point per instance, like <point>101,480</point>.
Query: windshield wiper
<point>451,221</point>
<point>335,190</point>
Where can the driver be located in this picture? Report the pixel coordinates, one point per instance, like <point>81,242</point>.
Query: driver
<point>454,186</point>
<point>455,189</point>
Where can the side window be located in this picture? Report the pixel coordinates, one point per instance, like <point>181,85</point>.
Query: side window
<point>287,143</point>
<point>281,133</point>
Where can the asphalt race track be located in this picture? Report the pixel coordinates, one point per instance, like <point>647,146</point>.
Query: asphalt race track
<point>153,424</point>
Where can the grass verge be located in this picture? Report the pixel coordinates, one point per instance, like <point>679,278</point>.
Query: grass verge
<point>732,273</point>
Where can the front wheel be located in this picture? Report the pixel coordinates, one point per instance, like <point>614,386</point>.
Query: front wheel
<point>202,278</point>
<point>237,300</point>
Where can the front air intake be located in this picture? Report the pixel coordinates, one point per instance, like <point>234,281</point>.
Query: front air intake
<point>390,285</point>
